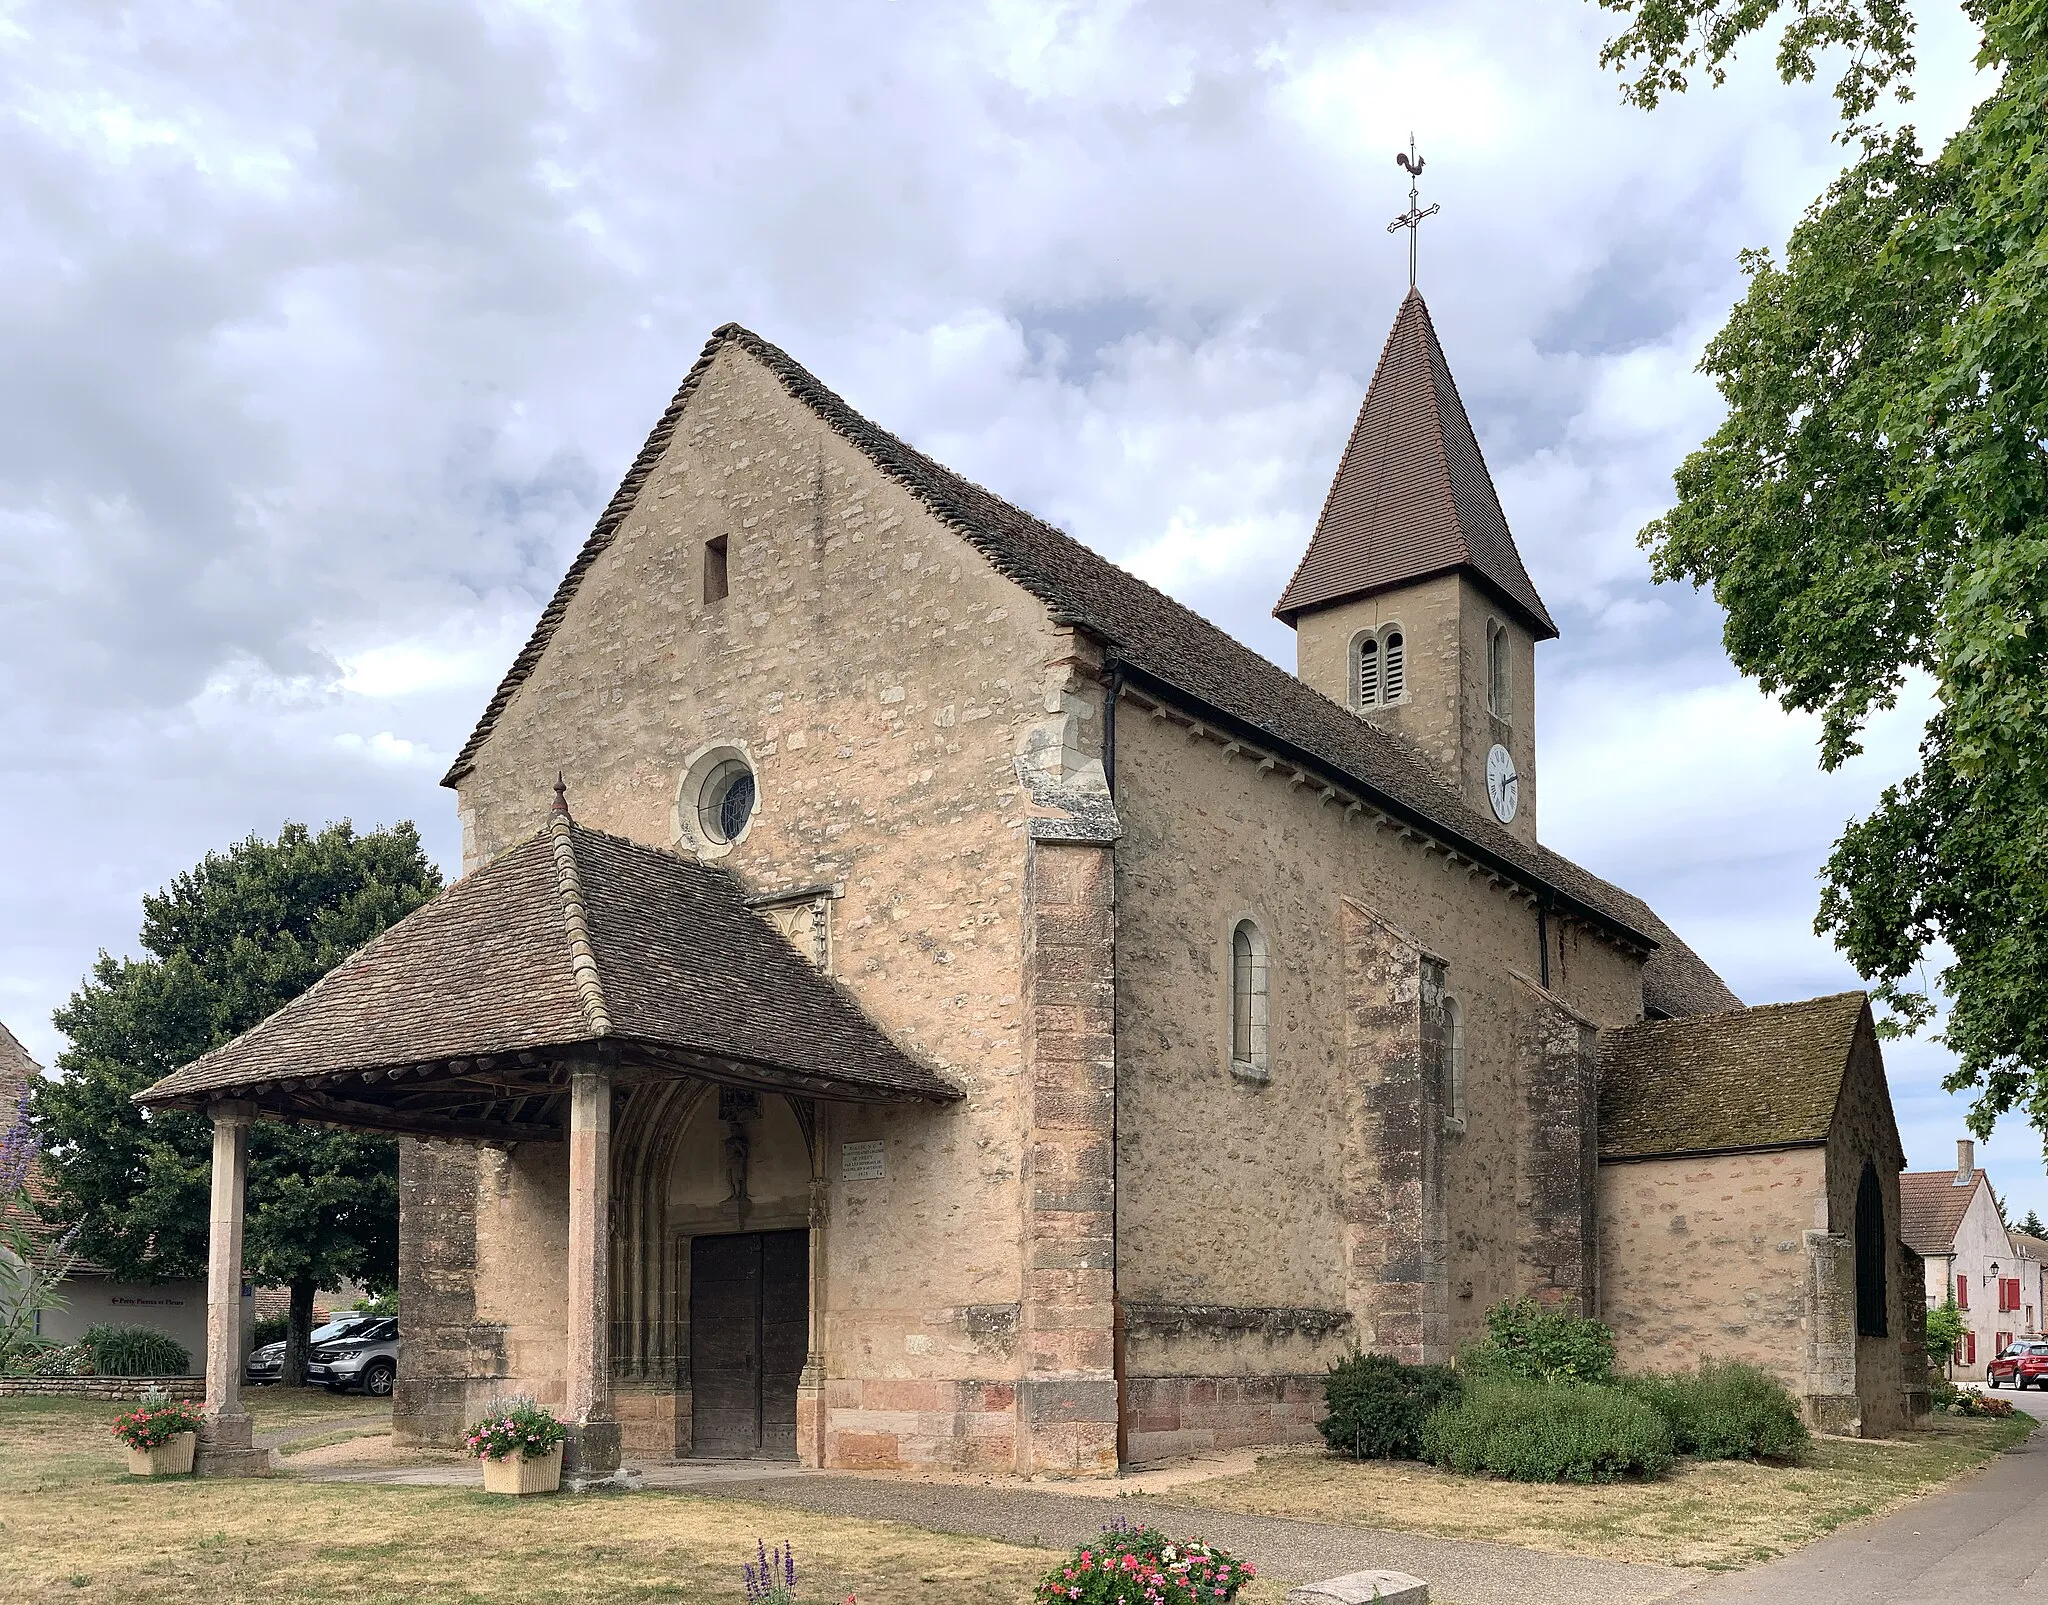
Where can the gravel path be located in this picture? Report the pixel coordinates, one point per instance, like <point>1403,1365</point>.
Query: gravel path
<point>1458,1572</point>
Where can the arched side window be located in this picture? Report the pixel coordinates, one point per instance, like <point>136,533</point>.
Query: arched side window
<point>1454,1094</point>
<point>1379,668</point>
<point>1248,1001</point>
<point>1498,688</point>
<point>1871,1283</point>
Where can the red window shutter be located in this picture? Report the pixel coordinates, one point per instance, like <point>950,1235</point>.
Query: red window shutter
<point>2012,1296</point>
<point>1962,1292</point>
<point>1969,1348</point>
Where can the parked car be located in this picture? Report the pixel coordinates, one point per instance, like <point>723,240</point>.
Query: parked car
<point>266,1364</point>
<point>366,1357</point>
<point>2023,1364</point>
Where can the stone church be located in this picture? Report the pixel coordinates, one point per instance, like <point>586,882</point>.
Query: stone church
<point>918,995</point>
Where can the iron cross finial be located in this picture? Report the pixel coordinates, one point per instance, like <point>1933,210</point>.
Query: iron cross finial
<point>1411,220</point>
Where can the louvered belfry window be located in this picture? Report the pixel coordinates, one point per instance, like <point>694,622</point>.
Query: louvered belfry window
<point>1379,669</point>
<point>1497,702</point>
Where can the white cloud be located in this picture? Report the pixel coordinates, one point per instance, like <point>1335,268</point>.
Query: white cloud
<point>331,327</point>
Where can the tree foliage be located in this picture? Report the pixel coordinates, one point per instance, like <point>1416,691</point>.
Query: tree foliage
<point>1875,507</point>
<point>227,943</point>
<point>1666,40</point>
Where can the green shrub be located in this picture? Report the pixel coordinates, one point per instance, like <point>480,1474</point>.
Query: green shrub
<point>1377,1405</point>
<point>1944,1332</point>
<point>271,1329</point>
<point>135,1351</point>
<point>1524,1342</point>
<point>1549,1432</point>
<point>1725,1410</point>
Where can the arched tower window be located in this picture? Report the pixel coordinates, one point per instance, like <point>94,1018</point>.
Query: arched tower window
<point>1871,1320</point>
<point>1248,1000</point>
<point>1379,668</point>
<point>1454,1029</point>
<point>1498,700</point>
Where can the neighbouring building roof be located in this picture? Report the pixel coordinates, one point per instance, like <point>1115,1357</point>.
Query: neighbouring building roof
<point>570,939</point>
<point>1767,1077</point>
<point>1932,1204</point>
<point>1150,638</point>
<point>1412,496</point>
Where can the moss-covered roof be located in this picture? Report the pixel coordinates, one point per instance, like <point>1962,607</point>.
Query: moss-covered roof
<point>1766,1077</point>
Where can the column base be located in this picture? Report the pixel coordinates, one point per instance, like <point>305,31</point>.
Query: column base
<point>593,1450</point>
<point>226,1448</point>
<point>810,1416</point>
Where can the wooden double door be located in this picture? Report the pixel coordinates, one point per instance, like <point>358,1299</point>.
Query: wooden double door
<point>749,1332</point>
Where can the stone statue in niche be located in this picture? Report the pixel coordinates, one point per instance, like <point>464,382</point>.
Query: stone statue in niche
<point>737,1106</point>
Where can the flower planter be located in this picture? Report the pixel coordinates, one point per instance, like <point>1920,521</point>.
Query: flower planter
<point>171,1458</point>
<point>521,1474</point>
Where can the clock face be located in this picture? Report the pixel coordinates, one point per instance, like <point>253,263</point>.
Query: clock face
<point>1503,785</point>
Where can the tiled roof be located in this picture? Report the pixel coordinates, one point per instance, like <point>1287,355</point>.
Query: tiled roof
<point>1412,496</point>
<point>1767,1077</point>
<point>1932,1206</point>
<point>568,939</point>
<point>1150,637</point>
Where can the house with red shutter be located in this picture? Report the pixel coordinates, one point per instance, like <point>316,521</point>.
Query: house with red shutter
<point>1952,1218</point>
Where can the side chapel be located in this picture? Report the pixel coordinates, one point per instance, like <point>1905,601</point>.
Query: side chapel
<point>957,1006</point>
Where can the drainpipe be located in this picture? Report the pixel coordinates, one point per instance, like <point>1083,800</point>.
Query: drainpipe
<point>1116,1301</point>
<point>1543,940</point>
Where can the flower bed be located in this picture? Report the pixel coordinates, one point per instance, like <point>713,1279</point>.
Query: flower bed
<point>1143,1566</point>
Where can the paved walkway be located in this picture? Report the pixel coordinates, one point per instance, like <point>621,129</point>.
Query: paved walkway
<point>1983,1540</point>
<point>1458,1572</point>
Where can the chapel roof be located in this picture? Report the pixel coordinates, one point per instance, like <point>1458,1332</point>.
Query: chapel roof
<point>1154,640</point>
<point>1765,1077</point>
<point>1932,1204</point>
<point>1412,497</point>
<point>570,939</point>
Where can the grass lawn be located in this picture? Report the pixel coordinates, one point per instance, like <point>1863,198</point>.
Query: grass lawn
<point>1718,1514</point>
<point>74,1526</point>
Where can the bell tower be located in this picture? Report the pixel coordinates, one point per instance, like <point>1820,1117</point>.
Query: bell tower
<point>1411,606</point>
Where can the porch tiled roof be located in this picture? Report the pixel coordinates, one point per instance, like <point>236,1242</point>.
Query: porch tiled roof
<point>676,960</point>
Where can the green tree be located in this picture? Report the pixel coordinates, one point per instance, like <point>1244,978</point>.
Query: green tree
<point>1944,1333</point>
<point>228,943</point>
<point>2031,1226</point>
<point>1875,507</point>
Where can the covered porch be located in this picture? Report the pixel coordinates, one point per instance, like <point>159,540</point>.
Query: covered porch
<point>564,1020</point>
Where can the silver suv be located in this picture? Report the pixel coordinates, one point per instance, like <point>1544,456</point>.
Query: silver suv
<point>365,1355</point>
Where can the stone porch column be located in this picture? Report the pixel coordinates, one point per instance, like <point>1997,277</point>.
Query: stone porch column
<point>592,1453</point>
<point>811,1412</point>
<point>225,1445</point>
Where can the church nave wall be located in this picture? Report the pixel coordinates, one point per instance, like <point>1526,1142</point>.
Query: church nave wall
<point>1229,1190</point>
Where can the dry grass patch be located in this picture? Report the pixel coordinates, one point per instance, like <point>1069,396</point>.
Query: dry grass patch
<point>1718,1514</point>
<point>73,1526</point>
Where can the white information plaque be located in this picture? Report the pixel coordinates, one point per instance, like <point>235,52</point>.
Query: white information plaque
<point>860,1161</point>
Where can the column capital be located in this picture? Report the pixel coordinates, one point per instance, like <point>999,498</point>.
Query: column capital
<point>231,1111</point>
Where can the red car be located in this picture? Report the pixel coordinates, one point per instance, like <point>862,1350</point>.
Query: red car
<point>2023,1364</point>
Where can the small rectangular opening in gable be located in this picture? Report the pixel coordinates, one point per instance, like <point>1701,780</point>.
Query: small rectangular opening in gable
<point>714,569</point>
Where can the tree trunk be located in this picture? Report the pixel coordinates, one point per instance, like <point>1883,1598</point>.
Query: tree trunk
<point>296,1334</point>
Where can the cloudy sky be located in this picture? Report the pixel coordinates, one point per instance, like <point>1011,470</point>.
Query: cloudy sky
<point>330,328</point>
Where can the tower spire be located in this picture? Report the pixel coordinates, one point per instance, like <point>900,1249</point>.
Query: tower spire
<point>1411,220</point>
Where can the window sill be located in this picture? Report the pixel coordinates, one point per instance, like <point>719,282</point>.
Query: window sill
<point>1454,1125</point>
<point>1258,1075</point>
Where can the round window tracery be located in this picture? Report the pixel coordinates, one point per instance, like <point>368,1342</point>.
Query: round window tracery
<point>726,802</point>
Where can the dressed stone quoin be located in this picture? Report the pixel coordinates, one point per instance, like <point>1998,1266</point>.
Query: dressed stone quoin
<point>962,1008</point>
